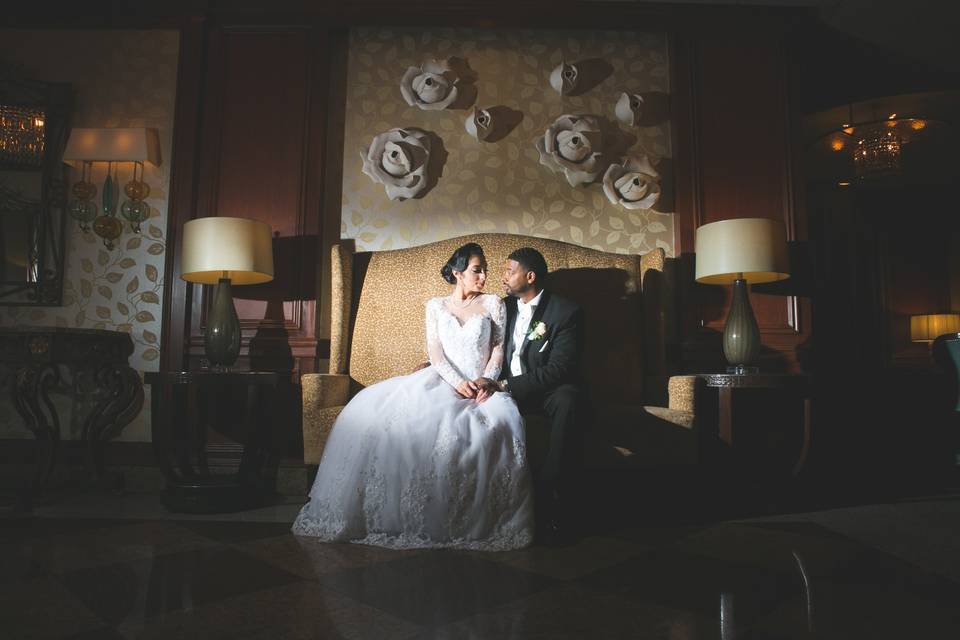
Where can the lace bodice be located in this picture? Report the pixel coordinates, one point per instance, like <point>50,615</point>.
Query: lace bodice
<point>466,349</point>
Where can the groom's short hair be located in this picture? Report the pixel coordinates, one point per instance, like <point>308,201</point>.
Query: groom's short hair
<point>531,260</point>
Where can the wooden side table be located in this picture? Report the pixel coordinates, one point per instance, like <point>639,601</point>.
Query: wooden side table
<point>181,442</point>
<point>727,384</point>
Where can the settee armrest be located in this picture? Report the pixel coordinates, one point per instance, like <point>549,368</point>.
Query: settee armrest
<point>324,396</point>
<point>685,393</point>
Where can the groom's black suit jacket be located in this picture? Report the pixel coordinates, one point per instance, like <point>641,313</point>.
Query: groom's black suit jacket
<point>552,360</point>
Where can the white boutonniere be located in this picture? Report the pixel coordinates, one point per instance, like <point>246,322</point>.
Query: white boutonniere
<point>537,331</point>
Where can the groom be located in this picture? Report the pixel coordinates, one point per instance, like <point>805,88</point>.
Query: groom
<point>541,369</point>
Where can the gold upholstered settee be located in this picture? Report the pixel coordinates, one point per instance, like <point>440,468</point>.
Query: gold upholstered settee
<point>378,331</point>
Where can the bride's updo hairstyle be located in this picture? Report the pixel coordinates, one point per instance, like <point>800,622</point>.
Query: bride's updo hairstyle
<point>459,261</point>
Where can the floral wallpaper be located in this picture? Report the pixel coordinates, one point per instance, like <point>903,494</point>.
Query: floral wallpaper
<point>501,186</point>
<point>121,78</point>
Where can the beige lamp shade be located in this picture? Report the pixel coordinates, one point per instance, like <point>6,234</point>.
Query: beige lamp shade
<point>754,249</point>
<point>218,247</point>
<point>926,327</point>
<point>113,145</point>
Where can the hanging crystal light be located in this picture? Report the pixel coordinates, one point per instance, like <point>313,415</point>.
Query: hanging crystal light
<point>22,136</point>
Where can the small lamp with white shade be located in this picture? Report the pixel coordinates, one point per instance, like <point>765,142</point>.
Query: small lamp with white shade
<point>928,327</point>
<point>741,251</point>
<point>225,251</point>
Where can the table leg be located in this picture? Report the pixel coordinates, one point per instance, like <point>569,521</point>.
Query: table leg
<point>805,448</point>
<point>726,414</point>
<point>31,399</point>
<point>120,404</point>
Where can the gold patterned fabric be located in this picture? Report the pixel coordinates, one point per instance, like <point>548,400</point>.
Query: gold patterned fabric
<point>682,393</point>
<point>324,395</point>
<point>341,299</point>
<point>388,335</point>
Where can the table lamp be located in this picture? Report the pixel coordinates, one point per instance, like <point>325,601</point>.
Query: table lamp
<point>946,326</point>
<point>741,251</point>
<point>221,251</point>
<point>928,327</point>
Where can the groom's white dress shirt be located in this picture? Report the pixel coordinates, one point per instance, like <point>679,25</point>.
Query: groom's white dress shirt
<point>524,315</point>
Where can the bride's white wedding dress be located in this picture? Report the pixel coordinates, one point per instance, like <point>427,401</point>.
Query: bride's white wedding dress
<point>410,463</point>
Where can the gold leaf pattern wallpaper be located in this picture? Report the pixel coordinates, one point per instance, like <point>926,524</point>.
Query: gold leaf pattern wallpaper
<point>120,78</point>
<point>501,186</point>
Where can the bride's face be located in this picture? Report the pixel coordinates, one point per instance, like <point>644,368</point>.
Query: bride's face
<point>474,277</point>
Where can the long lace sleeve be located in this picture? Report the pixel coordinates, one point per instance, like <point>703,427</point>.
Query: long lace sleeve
<point>435,350</point>
<point>498,313</point>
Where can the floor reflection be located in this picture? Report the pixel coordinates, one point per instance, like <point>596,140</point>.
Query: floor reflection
<point>80,577</point>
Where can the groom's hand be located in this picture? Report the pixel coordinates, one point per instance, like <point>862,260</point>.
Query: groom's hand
<point>486,388</point>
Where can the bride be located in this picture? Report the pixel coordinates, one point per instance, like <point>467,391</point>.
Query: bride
<point>434,458</point>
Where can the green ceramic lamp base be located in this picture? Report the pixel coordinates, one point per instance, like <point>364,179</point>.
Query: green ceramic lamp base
<point>222,336</point>
<point>741,334</point>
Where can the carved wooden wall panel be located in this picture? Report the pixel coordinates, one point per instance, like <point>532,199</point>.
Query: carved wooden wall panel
<point>259,159</point>
<point>742,169</point>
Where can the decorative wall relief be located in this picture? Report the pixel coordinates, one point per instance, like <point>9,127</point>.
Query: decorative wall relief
<point>437,84</point>
<point>492,124</point>
<point>564,78</point>
<point>479,124</point>
<point>573,146</point>
<point>497,183</point>
<point>629,109</point>
<point>633,183</point>
<point>577,78</point>
<point>399,159</point>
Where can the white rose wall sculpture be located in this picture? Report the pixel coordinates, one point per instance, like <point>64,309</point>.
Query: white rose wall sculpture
<point>573,146</point>
<point>399,160</point>
<point>430,87</point>
<point>629,109</point>
<point>480,124</point>
<point>497,180</point>
<point>564,78</point>
<point>633,183</point>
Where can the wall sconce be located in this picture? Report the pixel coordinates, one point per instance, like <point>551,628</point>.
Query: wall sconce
<point>113,146</point>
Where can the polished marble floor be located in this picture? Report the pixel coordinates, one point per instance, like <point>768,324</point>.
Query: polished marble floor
<point>109,567</point>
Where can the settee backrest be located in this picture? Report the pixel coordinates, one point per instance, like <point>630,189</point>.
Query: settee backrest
<point>379,298</point>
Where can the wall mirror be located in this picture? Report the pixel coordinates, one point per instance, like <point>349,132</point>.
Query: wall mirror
<point>33,131</point>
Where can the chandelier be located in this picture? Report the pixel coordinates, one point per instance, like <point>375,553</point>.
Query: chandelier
<point>875,148</point>
<point>21,136</point>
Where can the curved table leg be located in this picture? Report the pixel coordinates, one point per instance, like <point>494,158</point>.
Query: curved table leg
<point>120,404</point>
<point>31,399</point>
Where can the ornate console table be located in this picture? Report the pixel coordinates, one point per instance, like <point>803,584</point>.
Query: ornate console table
<point>89,364</point>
